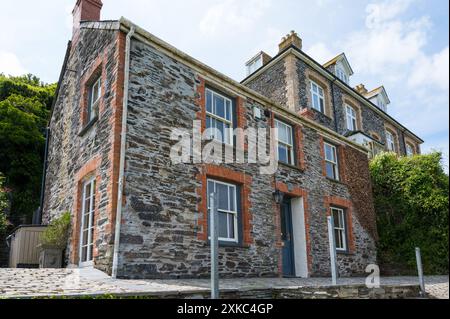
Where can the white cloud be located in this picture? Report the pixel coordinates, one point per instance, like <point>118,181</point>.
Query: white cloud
<point>226,16</point>
<point>431,71</point>
<point>10,64</point>
<point>320,52</point>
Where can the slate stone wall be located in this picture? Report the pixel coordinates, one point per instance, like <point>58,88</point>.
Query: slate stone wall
<point>69,152</point>
<point>159,235</point>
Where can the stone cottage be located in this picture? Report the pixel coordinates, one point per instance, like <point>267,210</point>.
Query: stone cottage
<point>138,214</point>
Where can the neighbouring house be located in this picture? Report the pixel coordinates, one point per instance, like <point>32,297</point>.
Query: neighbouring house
<point>137,214</point>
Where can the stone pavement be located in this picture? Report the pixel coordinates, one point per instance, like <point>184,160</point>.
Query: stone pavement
<point>72,282</point>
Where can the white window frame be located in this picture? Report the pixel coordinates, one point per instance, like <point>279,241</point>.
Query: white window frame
<point>254,65</point>
<point>234,212</point>
<point>224,120</point>
<point>341,74</point>
<point>409,150</point>
<point>289,146</point>
<point>93,103</point>
<point>341,228</point>
<point>334,162</point>
<point>320,94</point>
<point>90,211</point>
<point>390,141</point>
<point>351,118</point>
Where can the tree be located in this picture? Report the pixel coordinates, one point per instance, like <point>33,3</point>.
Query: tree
<point>411,202</point>
<point>25,104</point>
<point>3,205</point>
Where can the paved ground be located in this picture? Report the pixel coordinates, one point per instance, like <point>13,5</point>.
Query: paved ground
<point>39,282</point>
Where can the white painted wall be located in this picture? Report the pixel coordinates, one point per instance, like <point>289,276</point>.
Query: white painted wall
<point>299,234</point>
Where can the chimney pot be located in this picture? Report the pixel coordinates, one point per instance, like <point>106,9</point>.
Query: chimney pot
<point>361,89</point>
<point>290,39</point>
<point>85,10</point>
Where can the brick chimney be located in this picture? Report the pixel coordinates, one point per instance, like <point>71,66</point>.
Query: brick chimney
<point>85,10</point>
<point>290,39</point>
<point>361,89</point>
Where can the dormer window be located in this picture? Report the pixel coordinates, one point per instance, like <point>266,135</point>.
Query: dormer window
<point>254,65</point>
<point>342,75</point>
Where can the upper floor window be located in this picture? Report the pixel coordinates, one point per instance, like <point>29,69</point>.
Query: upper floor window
<point>341,74</point>
<point>95,91</point>
<point>340,228</point>
<point>318,98</point>
<point>390,142</point>
<point>227,207</point>
<point>285,148</point>
<point>351,118</point>
<point>331,161</point>
<point>219,117</point>
<point>409,149</point>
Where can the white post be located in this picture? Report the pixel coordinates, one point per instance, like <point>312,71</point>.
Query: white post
<point>332,242</point>
<point>214,242</point>
<point>420,270</point>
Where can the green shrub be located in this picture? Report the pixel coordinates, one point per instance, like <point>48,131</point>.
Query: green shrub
<point>411,203</point>
<point>57,233</point>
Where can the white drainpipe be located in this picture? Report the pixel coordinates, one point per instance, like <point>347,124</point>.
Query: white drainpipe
<point>122,153</point>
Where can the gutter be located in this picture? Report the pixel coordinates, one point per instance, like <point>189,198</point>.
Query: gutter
<point>122,153</point>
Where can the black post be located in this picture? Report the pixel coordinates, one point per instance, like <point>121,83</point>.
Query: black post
<point>37,220</point>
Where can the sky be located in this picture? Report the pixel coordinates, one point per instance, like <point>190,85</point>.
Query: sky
<point>401,44</point>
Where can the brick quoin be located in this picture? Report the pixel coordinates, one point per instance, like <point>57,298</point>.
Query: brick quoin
<point>226,175</point>
<point>347,205</point>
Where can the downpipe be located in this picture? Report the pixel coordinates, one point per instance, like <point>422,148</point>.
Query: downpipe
<point>122,153</point>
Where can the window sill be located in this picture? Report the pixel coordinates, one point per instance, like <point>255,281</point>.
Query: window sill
<point>335,181</point>
<point>88,126</point>
<point>228,244</point>
<point>291,166</point>
<point>344,253</point>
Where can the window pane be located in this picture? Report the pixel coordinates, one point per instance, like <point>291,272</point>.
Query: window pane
<point>321,105</point>
<point>228,110</point>
<point>231,191</point>
<point>223,225</point>
<point>231,225</point>
<point>320,91</point>
<point>329,153</point>
<point>219,104</point>
<point>330,170</point>
<point>84,254</point>
<point>316,102</point>
<point>282,153</point>
<point>91,248</point>
<point>209,101</point>
<point>338,238</point>
<point>85,237</point>
<point>222,194</point>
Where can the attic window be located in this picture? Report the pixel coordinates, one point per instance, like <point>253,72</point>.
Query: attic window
<point>254,64</point>
<point>342,75</point>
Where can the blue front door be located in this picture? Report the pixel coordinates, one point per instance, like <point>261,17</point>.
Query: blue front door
<point>287,239</point>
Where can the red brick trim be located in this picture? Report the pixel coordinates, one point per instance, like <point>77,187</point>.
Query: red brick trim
<point>98,68</point>
<point>201,103</point>
<point>347,205</point>
<point>300,155</point>
<point>342,165</point>
<point>294,192</point>
<point>322,155</point>
<point>116,124</point>
<point>91,168</point>
<point>226,175</point>
<point>308,113</point>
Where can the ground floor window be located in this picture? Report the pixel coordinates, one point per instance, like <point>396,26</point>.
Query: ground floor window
<point>340,228</point>
<point>87,222</point>
<point>227,207</point>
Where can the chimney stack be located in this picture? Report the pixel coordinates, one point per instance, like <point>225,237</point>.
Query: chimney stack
<point>290,39</point>
<point>361,89</point>
<point>85,10</point>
